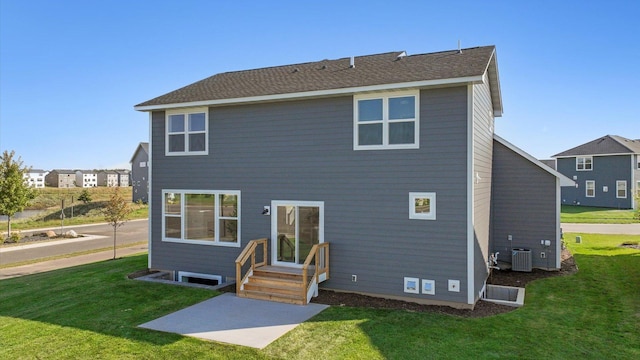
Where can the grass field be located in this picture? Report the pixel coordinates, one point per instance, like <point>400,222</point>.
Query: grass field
<point>596,215</point>
<point>91,312</point>
<point>75,212</point>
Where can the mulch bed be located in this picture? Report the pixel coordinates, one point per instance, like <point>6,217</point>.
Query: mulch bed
<point>482,308</point>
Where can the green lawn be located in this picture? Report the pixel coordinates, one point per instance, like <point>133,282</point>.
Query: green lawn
<point>595,215</point>
<point>92,312</point>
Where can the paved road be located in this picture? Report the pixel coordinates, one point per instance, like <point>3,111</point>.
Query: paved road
<point>96,237</point>
<point>631,229</point>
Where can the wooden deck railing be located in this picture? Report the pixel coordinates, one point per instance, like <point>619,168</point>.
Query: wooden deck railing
<point>319,255</point>
<point>249,252</point>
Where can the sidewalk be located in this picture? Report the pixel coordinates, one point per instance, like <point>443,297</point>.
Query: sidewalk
<point>629,229</point>
<point>45,266</point>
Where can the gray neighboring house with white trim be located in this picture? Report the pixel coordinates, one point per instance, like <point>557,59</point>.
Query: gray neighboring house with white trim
<point>606,171</point>
<point>355,152</point>
<point>61,178</point>
<point>108,178</point>
<point>140,173</point>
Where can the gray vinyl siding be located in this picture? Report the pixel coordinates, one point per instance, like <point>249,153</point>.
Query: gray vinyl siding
<point>524,206</point>
<point>606,171</point>
<point>303,150</point>
<point>482,166</point>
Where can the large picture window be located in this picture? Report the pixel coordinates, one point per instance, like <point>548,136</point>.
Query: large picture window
<point>187,132</point>
<point>201,217</point>
<point>584,163</point>
<point>387,121</point>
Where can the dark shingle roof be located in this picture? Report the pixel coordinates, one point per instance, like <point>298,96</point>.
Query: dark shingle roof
<point>370,70</point>
<point>608,144</point>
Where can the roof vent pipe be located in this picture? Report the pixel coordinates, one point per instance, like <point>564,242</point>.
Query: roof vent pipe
<point>352,62</point>
<point>459,48</point>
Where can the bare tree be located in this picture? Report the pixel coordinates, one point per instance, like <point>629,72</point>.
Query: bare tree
<point>15,193</point>
<point>115,213</point>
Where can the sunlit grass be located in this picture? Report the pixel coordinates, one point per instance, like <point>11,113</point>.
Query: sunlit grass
<point>595,215</point>
<point>92,312</point>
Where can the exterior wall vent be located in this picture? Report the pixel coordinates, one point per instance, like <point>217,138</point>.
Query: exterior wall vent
<point>521,260</point>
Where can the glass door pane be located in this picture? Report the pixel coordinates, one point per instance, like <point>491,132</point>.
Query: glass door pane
<point>286,234</point>
<point>308,230</point>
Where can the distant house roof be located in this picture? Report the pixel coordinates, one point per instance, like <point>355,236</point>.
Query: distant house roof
<point>606,145</point>
<point>549,162</point>
<point>333,77</point>
<point>63,171</point>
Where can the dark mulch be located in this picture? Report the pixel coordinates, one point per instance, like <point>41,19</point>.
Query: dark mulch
<point>482,308</point>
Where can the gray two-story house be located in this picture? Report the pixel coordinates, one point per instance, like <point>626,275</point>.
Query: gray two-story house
<point>388,160</point>
<point>606,172</point>
<point>140,173</point>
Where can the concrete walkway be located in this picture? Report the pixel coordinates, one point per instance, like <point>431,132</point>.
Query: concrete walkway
<point>44,266</point>
<point>234,320</point>
<point>629,229</point>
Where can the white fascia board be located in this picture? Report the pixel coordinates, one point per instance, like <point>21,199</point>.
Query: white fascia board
<point>564,181</point>
<point>317,93</point>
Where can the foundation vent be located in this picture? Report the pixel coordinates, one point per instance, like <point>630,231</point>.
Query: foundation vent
<point>521,260</point>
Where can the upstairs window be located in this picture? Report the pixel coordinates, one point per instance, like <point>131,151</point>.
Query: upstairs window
<point>584,163</point>
<point>386,121</point>
<point>187,132</point>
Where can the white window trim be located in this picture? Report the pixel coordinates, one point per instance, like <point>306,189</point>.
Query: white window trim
<point>216,239</point>
<point>586,188</point>
<point>618,183</point>
<point>385,96</point>
<point>583,163</point>
<point>186,133</point>
<point>412,202</point>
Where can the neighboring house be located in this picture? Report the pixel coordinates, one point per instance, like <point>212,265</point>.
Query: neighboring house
<point>356,153</point>
<point>108,178</point>
<point>86,178</point>
<point>123,178</point>
<point>606,171</point>
<point>61,178</point>
<point>550,163</point>
<point>140,173</point>
<point>35,178</point>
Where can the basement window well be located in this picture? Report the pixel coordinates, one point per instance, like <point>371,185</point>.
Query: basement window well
<point>199,278</point>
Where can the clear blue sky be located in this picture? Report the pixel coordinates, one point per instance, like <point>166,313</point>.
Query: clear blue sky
<point>71,71</point>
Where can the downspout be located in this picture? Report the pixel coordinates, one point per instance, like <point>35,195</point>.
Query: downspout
<point>149,197</point>
<point>470,197</point>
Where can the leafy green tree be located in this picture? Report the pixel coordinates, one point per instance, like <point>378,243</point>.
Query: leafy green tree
<point>15,193</point>
<point>115,213</point>
<point>84,196</point>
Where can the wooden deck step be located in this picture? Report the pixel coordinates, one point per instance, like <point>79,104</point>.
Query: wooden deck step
<point>275,283</point>
<point>259,295</point>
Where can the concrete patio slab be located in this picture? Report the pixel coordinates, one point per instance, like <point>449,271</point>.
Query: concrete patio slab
<point>230,319</point>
